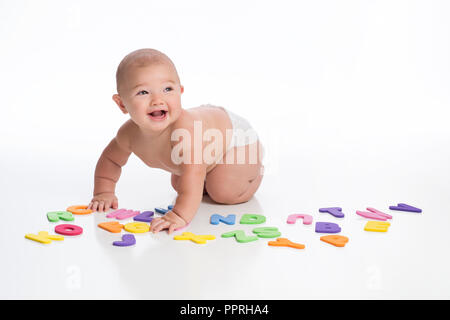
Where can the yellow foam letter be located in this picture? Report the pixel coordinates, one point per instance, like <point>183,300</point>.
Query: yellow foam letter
<point>194,237</point>
<point>43,237</point>
<point>137,227</point>
<point>377,226</point>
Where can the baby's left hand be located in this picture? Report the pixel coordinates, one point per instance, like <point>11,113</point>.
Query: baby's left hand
<point>169,221</point>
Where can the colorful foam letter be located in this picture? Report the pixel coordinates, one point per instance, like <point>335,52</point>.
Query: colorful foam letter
<point>55,216</point>
<point>377,226</point>
<point>201,239</point>
<point>137,227</point>
<point>374,214</point>
<point>239,236</point>
<point>115,213</point>
<point>127,214</point>
<point>68,229</point>
<point>327,227</point>
<point>216,218</point>
<point>161,210</point>
<point>43,237</point>
<point>127,240</point>
<point>405,207</point>
<point>284,242</point>
<point>267,232</point>
<point>111,226</point>
<point>307,219</point>
<point>81,209</point>
<point>145,216</point>
<point>252,219</point>
<point>334,211</point>
<point>335,240</point>
<point>378,212</point>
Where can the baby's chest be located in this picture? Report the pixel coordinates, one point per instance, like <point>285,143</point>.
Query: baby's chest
<point>156,157</point>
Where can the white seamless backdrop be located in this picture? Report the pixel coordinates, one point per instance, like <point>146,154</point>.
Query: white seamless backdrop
<point>351,99</point>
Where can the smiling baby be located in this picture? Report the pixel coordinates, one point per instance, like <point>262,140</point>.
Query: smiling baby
<point>207,149</point>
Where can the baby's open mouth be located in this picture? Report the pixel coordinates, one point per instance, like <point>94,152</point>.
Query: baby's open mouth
<point>158,115</point>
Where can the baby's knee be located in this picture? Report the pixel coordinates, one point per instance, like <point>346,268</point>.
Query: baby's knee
<point>221,194</point>
<point>225,198</point>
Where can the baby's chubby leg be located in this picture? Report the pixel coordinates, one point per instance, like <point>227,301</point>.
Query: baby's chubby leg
<point>232,182</point>
<point>235,180</point>
<point>174,181</point>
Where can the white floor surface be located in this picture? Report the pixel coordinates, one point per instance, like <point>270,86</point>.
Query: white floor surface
<point>351,99</point>
<point>410,261</point>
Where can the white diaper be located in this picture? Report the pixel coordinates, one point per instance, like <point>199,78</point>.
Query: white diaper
<point>243,133</point>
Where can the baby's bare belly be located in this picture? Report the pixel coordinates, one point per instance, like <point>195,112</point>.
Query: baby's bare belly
<point>216,134</point>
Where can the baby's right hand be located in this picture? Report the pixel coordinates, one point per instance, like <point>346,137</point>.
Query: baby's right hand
<point>103,201</point>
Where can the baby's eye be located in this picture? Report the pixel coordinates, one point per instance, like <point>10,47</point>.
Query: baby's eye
<point>168,89</point>
<point>142,92</point>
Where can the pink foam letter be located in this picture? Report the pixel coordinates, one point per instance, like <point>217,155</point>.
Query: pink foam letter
<point>307,219</point>
<point>374,214</point>
<point>116,213</point>
<point>127,214</point>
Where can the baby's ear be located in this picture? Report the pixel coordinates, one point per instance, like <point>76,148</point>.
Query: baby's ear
<point>119,102</point>
<point>182,88</point>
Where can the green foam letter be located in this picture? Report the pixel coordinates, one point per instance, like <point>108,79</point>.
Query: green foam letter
<point>55,216</point>
<point>240,236</point>
<point>252,219</point>
<point>267,232</point>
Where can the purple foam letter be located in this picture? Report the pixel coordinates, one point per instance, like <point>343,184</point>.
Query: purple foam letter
<point>327,227</point>
<point>334,211</point>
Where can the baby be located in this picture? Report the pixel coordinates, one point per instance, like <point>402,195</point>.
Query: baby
<point>207,149</point>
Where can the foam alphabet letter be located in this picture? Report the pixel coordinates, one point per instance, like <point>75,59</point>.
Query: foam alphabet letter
<point>201,239</point>
<point>55,216</point>
<point>252,219</point>
<point>284,242</point>
<point>43,237</point>
<point>240,236</point>
<point>137,227</point>
<point>115,213</point>
<point>112,226</point>
<point>127,214</point>
<point>335,240</point>
<point>216,218</point>
<point>405,207</point>
<point>81,209</point>
<point>68,229</point>
<point>145,216</point>
<point>267,232</point>
<point>307,219</point>
<point>372,213</point>
<point>161,210</point>
<point>377,226</point>
<point>327,227</point>
<point>334,211</point>
<point>127,240</point>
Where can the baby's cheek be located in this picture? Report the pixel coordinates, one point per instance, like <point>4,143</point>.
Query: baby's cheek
<point>175,113</point>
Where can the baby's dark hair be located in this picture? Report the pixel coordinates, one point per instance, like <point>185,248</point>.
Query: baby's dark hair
<point>141,58</point>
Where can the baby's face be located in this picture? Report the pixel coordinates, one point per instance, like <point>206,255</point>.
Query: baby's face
<point>152,96</point>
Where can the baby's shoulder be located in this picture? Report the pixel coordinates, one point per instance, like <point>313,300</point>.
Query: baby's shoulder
<point>185,120</point>
<point>208,115</point>
<point>125,133</point>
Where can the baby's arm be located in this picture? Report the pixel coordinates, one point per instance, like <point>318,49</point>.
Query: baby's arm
<point>190,193</point>
<point>107,173</point>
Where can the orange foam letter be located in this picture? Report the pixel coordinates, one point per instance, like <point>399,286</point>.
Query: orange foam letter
<point>335,240</point>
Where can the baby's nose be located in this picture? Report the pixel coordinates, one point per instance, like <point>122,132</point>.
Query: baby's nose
<point>157,102</point>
